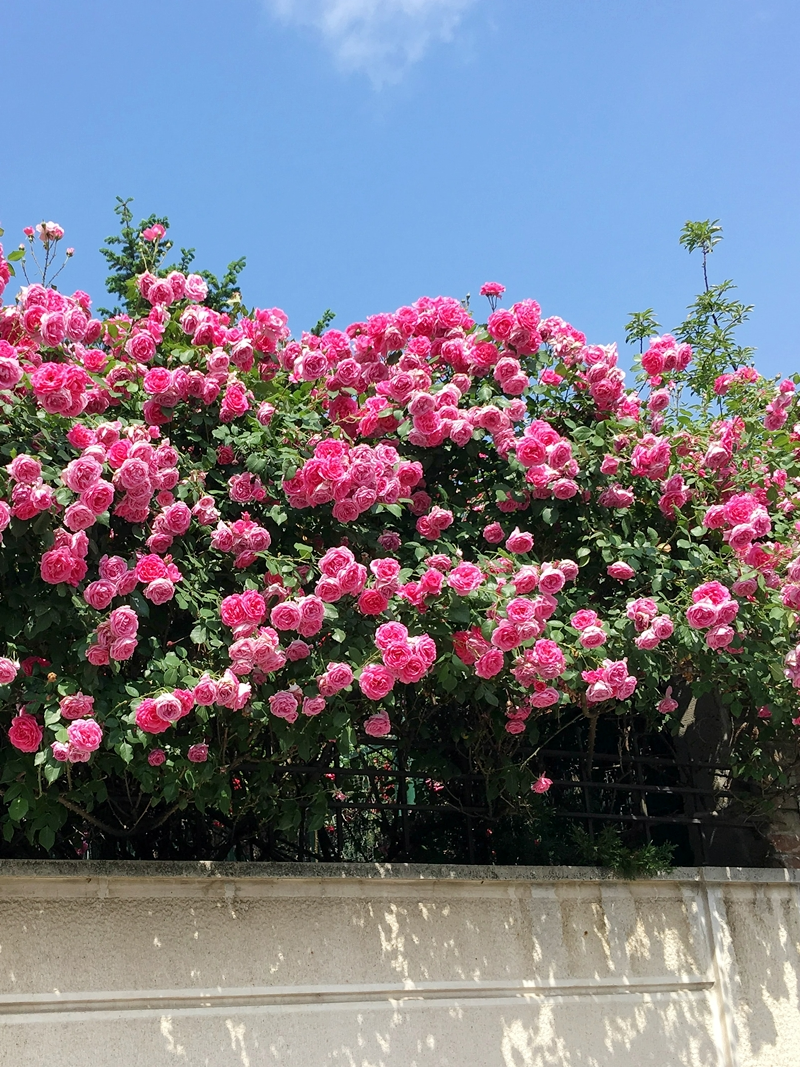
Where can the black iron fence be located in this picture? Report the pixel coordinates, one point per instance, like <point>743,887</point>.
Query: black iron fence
<point>638,785</point>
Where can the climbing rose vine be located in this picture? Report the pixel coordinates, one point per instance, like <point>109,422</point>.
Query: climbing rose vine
<point>227,547</point>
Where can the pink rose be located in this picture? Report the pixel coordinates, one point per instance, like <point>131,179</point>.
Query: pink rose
<point>335,560</point>
<point>196,288</point>
<point>57,566</point>
<point>744,587</point>
<point>518,542</point>
<point>551,579</point>
<point>376,681</point>
<point>465,578</point>
<point>663,627</point>
<point>329,589</point>
<point>621,571</point>
<point>112,568</point>
<point>372,602</point>
<point>122,649</point>
<point>8,670</point>
<point>720,637</point>
<point>521,610</point>
<point>24,468</point>
<point>667,704</point>
<point>702,614</point>
<point>148,568</point>
<point>79,517</point>
<point>85,735</point>
<point>716,592</point>
<point>284,705</point>
<point>25,733</point>
<point>168,707</point>
<point>545,698</point>
<point>253,606</point>
<point>550,662</point>
<point>592,637</point>
<point>97,655</point>
<point>197,753</point>
<point>82,473</point>
<point>312,615</point>
<point>598,692</point>
<point>156,757</point>
<point>124,622</point>
<point>505,635</point>
<point>77,706</point>
<point>313,705</point>
<point>583,619</point>
<point>526,579</point>
<point>626,688</point>
<point>99,594</point>
<point>159,591</point>
<point>647,640</point>
<point>378,725</point>
<point>493,533</point>
<point>542,784</point>
<point>385,570</point>
<point>298,650</point>
<point>490,663</point>
<point>205,692</point>
<point>340,675</point>
<point>286,616</point>
<point>98,498</point>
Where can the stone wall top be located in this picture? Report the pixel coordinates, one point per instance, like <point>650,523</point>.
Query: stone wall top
<point>406,872</point>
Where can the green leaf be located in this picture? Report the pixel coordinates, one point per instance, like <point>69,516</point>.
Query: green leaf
<point>18,808</point>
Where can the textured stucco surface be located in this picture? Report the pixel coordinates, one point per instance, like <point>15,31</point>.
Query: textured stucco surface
<point>402,966</point>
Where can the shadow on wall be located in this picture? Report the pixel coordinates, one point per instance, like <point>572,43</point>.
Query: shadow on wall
<point>452,974</point>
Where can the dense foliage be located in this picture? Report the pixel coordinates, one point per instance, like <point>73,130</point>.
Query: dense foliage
<point>227,550</point>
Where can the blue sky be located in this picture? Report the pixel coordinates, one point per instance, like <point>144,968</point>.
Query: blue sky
<point>362,153</point>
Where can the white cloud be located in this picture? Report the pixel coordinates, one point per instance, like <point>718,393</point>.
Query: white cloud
<point>379,37</point>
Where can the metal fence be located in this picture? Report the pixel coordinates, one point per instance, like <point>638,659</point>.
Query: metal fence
<point>636,782</point>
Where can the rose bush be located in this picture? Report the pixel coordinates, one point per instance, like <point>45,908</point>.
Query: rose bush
<point>226,548</point>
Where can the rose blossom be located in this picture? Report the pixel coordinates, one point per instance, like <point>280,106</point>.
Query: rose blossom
<point>465,578</point>
<point>490,663</point>
<point>286,616</point>
<point>667,703</point>
<point>25,733</point>
<point>197,753</point>
<point>124,622</point>
<point>313,705</point>
<point>621,571</point>
<point>542,784</point>
<point>519,543</point>
<point>551,579</point>
<point>156,757</point>
<point>85,735</point>
<point>122,649</point>
<point>205,692</point>
<point>284,705</point>
<point>376,681</point>
<point>99,594</point>
<point>378,725</point>
<point>8,670</point>
<point>592,637</point>
<point>493,533</point>
<point>77,706</point>
<point>159,591</point>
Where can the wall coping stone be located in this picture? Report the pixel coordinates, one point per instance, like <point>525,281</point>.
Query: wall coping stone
<point>199,870</point>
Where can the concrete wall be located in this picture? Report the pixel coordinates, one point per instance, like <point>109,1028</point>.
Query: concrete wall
<point>183,965</point>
